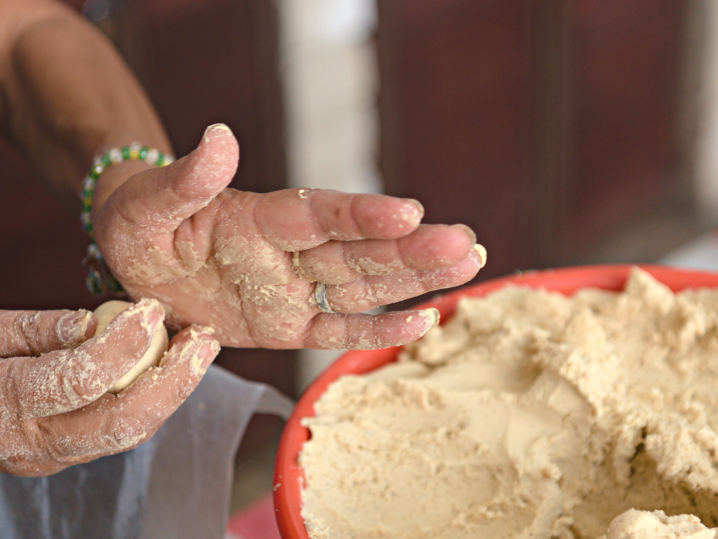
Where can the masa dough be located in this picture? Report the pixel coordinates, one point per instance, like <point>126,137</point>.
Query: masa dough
<point>529,415</point>
<point>635,524</point>
<point>105,313</point>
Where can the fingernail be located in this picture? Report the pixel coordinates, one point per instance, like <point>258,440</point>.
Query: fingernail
<point>203,352</point>
<point>299,270</point>
<point>431,316</point>
<point>202,331</point>
<point>208,352</point>
<point>215,129</point>
<point>468,231</point>
<point>418,206</point>
<point>153,314</point>
<point>482,254</point>
<point>73,328</point>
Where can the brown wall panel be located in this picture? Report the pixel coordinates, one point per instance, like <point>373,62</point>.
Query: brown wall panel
<point>455,116</point>
<point>623,85</point>
<point>544,125</point>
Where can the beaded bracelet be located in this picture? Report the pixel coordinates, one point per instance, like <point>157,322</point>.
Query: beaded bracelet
<point>99,278</point>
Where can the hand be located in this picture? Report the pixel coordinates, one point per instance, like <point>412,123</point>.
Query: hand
<point>54,409</point>
<point>245,263</point>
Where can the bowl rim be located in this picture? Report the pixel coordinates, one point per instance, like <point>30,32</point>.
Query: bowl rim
<point>288,476</point>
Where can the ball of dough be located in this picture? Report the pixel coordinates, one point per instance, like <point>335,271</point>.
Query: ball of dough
<point>634,524</point>
<point>105,313</point>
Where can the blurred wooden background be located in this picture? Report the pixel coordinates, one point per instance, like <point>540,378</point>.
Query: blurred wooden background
<point>544,125</point>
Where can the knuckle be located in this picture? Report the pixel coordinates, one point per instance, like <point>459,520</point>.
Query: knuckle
<point>62,382</point>
<point>184,390</point>
<point>11,390</point>
<point>125,432</point>
<point>80,382</point>
<point>32,448</point>
<point>51,445</point>
<point>25,329</point>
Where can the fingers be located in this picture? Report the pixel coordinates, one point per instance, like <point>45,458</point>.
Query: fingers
<point>373,291</point>
<point>62,381</point>
<point>299,219</point>
<point>117,423</point>
<point>428,247</point>
<point>163,198</point>
<point>31,333</point>
<point>363,331</point>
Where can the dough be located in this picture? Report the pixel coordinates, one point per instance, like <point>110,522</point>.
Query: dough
<point>105,313</point>
<point>529,414</point>
<point>656,525</point>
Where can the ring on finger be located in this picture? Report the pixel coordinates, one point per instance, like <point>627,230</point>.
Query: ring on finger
<point>320,296</point>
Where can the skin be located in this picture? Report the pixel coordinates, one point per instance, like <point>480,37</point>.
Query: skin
<point>224,266</point>
<point>224,257</point>
<point>54,409</point>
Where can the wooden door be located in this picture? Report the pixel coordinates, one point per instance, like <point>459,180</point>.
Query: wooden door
<point>542,124</point>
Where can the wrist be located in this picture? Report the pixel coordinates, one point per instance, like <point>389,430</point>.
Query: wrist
<point>112,178</point>
<point>110,169</point>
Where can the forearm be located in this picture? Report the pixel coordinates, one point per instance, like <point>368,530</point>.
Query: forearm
<point>67,93</point>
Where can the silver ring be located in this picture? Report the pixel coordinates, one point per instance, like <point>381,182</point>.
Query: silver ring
<point>320,296</point>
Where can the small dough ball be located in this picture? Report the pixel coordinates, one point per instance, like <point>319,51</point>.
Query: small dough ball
<point>635,524</point>
<point>105,313</point>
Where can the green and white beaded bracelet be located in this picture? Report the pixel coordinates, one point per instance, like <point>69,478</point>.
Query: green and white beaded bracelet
<point>114,156</point>
<point>99,277</point>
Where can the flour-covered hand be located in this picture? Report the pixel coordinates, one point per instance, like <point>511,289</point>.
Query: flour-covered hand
<point>54,407</point>
<point>248,264</point>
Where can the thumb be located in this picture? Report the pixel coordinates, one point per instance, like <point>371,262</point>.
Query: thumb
<point>163,198</point>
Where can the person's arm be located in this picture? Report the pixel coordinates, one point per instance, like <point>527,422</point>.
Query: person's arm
<point>67,93</point>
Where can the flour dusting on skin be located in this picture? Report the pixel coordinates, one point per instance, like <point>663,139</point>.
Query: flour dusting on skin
<point>297,263</point>
<point>530,414</point>
<point>69,379</point>
<point>196,363</point>
<point>39,434</point>
<point>368,266</point>
<point>268,290</point>
<point>331,271</point>
<point>30,333</point>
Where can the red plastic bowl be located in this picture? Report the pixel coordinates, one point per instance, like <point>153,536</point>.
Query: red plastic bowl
<point>288,476</point>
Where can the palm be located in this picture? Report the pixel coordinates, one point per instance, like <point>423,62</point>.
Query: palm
<point>241,285</point>
<point>224,258</point>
